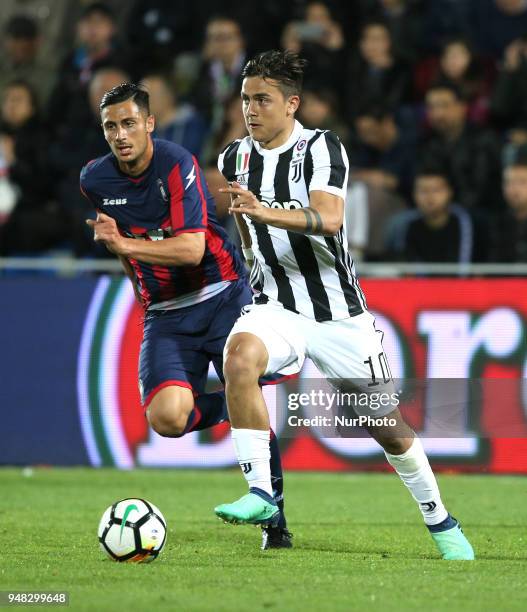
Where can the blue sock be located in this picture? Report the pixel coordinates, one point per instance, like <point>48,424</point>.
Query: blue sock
<point>263,494</point>
<point>209,410</point>
<point>448,523</point>
<point>277,478</point>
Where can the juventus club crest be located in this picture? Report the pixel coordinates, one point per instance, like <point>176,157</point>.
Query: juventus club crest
<point>296,168</point>
<point>298,161</point>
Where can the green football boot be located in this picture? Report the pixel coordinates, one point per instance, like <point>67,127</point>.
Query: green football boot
<point>452,542</point>
<point>255,508</point>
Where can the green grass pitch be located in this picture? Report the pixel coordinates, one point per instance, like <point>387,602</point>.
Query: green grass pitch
<point>359,540</point>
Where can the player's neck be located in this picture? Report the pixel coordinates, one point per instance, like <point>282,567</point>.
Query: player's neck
<point>280,138</point>
<point>139,165</point>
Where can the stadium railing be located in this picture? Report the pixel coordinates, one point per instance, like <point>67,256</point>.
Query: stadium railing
<point>69,266</point>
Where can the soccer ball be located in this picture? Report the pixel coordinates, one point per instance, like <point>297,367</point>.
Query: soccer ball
<point>132,530</point>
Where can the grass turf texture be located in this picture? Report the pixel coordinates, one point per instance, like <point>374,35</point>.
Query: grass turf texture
<point>359,543</point>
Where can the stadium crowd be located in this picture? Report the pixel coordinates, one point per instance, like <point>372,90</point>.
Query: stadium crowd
<point>427,96</point>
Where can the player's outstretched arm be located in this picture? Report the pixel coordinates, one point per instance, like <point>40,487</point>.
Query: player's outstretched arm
<point>323,217</point>
<point>186,249</point>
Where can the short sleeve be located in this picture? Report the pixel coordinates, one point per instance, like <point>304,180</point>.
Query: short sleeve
<point>84,184</point>
<point>330,165</point>
<point>227,160</point>
<point>188,202</point>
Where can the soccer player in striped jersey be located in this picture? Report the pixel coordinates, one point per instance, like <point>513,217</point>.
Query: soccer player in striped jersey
<point>155,212</point>
<point>287,187</point>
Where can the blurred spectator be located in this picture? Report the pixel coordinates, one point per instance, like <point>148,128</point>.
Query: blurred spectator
<point>51,17</point>
<point>496,23</point>
<point>73,150</point>
<point>384,154</point>
<point>439,230</point>
<point>94,50</point>
<point>319,39</point>
<point>510,236</point>
<point>157,30</point>
<point>375,71</point>
<point>515,146</point>
<point>232,128</point>
<point>356,219</point>
<point>368,216</point>
<point>8,193</point>
<point>470,153</point>
<point>319,109</point>
<point>459,64</point>
<point>177,122</point>
<point>224,56</point>
<point>405,20</point>
<point>21,57</point>
<point>443,19</point>
<point>35,222</point>
<point>510,91</point>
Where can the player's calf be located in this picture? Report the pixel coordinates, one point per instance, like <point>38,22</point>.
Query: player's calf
<point>395,439</point>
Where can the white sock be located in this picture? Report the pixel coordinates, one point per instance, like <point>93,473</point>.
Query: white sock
<point>252,451</point>
<point>415,471</point>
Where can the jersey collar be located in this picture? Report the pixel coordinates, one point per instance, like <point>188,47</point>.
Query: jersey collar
<point>295,135</point>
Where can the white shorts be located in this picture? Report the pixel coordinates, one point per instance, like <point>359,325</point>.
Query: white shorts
<point>348,352</point>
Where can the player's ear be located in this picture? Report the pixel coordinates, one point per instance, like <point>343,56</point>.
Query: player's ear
<point>292,104</point>
<point>150,123</point>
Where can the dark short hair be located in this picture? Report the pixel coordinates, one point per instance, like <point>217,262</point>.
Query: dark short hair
<point>225,16</point>
<point>28,87</point>
<point>376,21</point>
<point>520,158</point>
<point>458,39</point>
<point>285,67</point>
<point>126,91</point>
<point>327,96</point>
<point>165,76</point>
<point>21,26</point>
<point>449,86</point>
<point>375,109</point>
<point>433,168</point>
<point>99,8</point>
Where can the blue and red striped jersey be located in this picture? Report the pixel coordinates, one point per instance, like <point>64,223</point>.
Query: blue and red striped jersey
<point>169,198</point>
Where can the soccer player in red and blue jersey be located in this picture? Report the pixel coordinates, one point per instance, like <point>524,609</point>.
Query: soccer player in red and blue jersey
<point>155,212</point>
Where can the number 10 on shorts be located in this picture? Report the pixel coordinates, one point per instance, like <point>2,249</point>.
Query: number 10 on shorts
<point>384,367</point>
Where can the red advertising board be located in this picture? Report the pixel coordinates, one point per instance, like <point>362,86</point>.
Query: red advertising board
<point>433,329</point>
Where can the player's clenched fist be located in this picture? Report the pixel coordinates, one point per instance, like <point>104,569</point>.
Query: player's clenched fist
<point>245,202</point>
<point>105,230</point>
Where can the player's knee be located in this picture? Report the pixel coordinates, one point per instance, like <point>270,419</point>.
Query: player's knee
<point>168,425</point>
<point>244,361</point>
<point>169,412</point>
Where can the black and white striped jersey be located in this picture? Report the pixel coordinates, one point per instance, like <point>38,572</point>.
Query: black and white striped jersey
<point>311,275</point>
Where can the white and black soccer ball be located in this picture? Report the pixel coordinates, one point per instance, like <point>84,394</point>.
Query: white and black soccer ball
<point>132,530</point>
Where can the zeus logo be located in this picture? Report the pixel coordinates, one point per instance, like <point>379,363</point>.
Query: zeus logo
<point>191,177</point>
<point>290,205</point>
<point>114,202</point>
